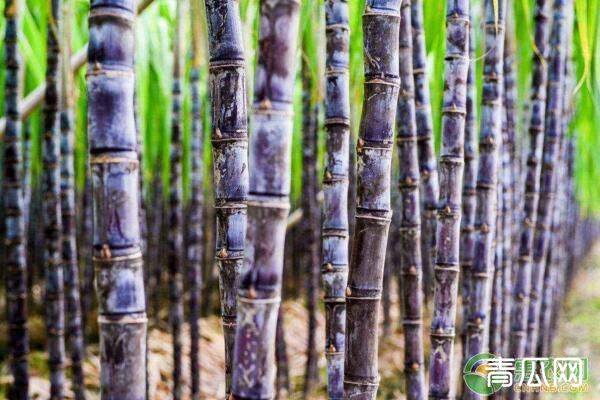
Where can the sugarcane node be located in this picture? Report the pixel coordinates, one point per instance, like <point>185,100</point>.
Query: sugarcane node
<point>265,104</point>
<point>218,132</point>
<point>360,142</point>
<point>251,293</point>
<point>223,253</point>
<point>348,291</point>
<point>485,228</point>
<point>328,175</point>
<point>105,253</point>
<point>329,267</point>
<point>415,366</point>
<point>332,348</point>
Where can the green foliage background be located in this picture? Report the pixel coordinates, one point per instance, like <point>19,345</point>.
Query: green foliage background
<point>155,32</point>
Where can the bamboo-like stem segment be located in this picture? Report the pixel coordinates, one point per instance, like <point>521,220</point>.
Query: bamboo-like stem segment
<point>55,311</point>
<point>469,199</point>
<point>490,140</point>
<point>381,26</point>
<point>230,159</point>
<point>73,325</point>
<point>14,252</point>
<point>428,169</point>
<point>114,168</point>
<point>268,205</point>
<point>553,134</point>
<point>335,189</point>
<point>175,232</point>
<point>520,293</point>
<point>195,225</point>
<point>410,217</point>
<point>451,184</point>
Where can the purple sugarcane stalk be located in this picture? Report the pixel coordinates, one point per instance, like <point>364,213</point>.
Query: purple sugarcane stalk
<point>195,248</point>
<point>451,184</point>
<point>229,138</point>
<point>268,205</point>
<point>15,260</point>
<point>335,189</point>
<point>381,27</point>
<point>428,168</point>
<point>114,168</point>
<point>553,134</point>
<point>51,214</point>
<point>411,277</point>
<point>73,325</point>
<point>522,279</point>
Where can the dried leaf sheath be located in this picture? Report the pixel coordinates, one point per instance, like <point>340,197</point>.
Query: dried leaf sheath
<point>12,201</point>
<point>55,317</point>
<point>410,217</point>
<point>427,161</point>
<point>381,24</point>
<point>335,189</point>
<point>451,178</point>
<point>230,156</point>
<point>520,294</point>
<point>268,205</point>
<point>553,137</point>
<point>114,168</point>
<point>490,140</point>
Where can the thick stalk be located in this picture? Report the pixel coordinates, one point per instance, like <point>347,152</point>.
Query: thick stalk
<point>55,316</point>
<point>175,233</point>
<point>15,260</point>
<point>553,134</point>
<point>427,160</point>
<point>490,140</point>
<point>522,280</point>
<point>268,205</point>
<point>195,223</point>
<point>73,325</point>
<point>311,220</point>
<point>230,159</point>
<point>381,27</point>
<point>410,217</point>
<point>114,168</point>
<point>335,189</point>
<point>451,185</point>
<point>469,199</point>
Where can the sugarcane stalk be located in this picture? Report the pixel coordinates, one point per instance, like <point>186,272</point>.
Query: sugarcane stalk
<point>490,140</point>
<point>410,216</point>
<point>522,279</point>
<point>335,189</point>
<point>553,136</point>
<point>195,225</point>
<point>449,213</point>
<point>175,232</point>
<point>428,168</point>
<point>73,325</point>
<point>381,28</point>
<point>114,168</point>
<point>14,252</point>
<point>282,383</point>
<point>55,312</point>
<point>268,206</point>
<point>230,163</point>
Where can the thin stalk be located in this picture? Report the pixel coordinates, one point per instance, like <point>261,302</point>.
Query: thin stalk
<point>55,312</point>
<point>410,217</point>
<point>73,325</point>
<point>553,134</point>
<point>335,189</point>
<point>490,141</point>
<point>381,27</point>
<point>27,174</point>
<point>522,279</point>
<point>495,321</point>
<point>14,252</point>
<point>195,248</point>
<point>469,198</point>
<point>175,232</point>
<point>283,385</point>
<point>114,166</point>
<point>268,206</point>
<point>230,160</point>
<point>428,168</point>
<point>451,184</point>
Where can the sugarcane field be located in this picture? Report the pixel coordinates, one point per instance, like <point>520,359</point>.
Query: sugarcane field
<point>299,199</point>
